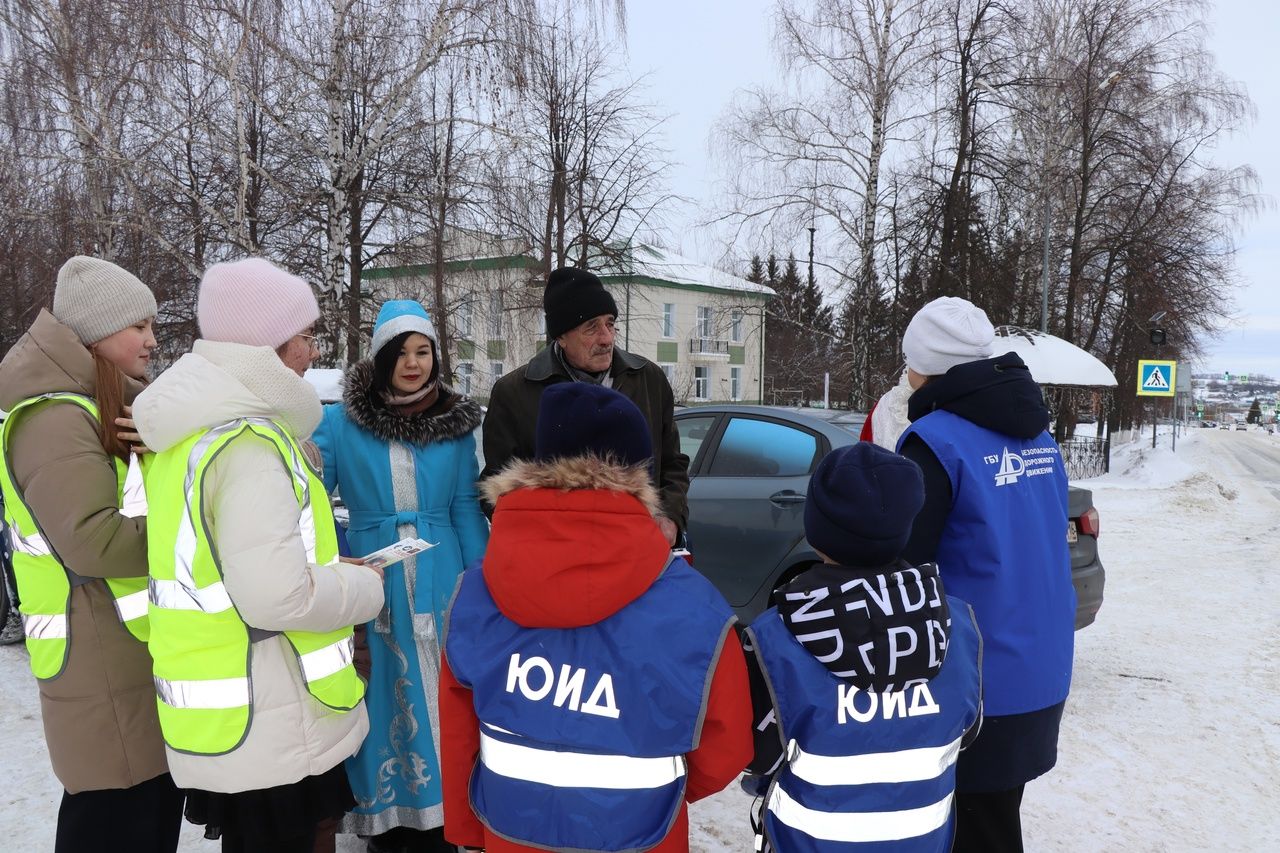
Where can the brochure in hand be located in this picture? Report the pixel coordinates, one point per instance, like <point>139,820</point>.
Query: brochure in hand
<point>396,552</point>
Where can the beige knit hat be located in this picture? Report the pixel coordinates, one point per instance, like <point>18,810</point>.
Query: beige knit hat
<point>96,298</point>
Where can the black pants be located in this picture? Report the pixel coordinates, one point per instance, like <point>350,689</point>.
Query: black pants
<point>234,842</point>
<point>143,819</point>
<point>989,822</point>
<point>402,839</point>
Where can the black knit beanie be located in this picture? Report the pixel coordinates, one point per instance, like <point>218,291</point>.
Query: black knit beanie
<point>862,502</point>
<point>572,297</point>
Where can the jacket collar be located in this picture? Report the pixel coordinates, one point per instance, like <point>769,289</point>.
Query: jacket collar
<point>50,358</point>
<point>452,417</point>
<point>543,366</point>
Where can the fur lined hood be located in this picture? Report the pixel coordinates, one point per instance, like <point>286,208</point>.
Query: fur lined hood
<point>579,472</point>
<point>368,412</point>
<point>573,540</point>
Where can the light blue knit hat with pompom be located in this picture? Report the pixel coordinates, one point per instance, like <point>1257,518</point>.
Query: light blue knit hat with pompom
<point>398,316</point>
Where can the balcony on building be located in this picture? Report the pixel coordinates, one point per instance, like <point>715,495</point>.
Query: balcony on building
<point>708,349</point>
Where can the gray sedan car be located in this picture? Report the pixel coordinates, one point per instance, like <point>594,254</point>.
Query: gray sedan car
<point>749,470</point>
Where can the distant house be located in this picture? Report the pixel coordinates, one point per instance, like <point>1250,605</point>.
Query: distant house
<point>703,326</point>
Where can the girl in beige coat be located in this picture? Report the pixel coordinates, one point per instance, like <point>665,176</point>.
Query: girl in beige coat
<point>99,712</point>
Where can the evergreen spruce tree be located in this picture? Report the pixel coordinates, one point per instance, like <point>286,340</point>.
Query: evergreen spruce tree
<point>1255,412</point>
<point>797,334</point>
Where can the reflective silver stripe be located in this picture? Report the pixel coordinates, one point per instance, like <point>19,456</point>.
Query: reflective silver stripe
<point>297,467</point>
<point>133,503</point>
<point>48,626</point>
<point>307,529</point>
<point>215,693</point>
<point>132,606</point>
<point>184,549</point>
<point>172,595</point>
<point>33,545</point>
<point>859,827</point>
<point>576,769</point>
<point>325,662</point>
<point>907,765</point>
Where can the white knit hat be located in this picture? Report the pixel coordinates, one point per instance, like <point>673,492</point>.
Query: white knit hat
<point>946,332</point>
<point>252,301</point>
<point>95,298</point>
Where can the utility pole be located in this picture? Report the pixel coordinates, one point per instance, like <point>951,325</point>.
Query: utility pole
<point>812,230</point>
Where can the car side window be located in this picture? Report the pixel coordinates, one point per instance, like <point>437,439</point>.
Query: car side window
<point>693,432</point>
<point>752,448</point>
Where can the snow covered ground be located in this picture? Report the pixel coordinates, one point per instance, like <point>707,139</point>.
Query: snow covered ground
<point>1171,739</point>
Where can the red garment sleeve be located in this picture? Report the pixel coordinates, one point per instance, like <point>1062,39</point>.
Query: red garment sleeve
<point>866,435</point>
<point>726,743</point>
<point>459,747</point>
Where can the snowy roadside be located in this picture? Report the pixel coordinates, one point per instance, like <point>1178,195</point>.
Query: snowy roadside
<point>1171,739</point>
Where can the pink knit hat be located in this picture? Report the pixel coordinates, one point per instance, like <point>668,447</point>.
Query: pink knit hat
<point>252,301</point>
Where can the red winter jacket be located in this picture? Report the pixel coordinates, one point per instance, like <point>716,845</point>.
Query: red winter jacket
<point>573,542</point>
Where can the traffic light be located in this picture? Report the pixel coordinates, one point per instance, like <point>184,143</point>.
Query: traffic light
<point>1158,337</point>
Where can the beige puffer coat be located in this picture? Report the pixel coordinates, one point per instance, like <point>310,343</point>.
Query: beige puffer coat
<point>254,526</point>
<point>100,713</point>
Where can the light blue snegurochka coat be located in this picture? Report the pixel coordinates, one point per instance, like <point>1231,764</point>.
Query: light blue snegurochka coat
<point>404,476</point>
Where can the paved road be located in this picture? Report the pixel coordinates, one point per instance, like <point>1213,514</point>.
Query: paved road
<point>1254,455</point>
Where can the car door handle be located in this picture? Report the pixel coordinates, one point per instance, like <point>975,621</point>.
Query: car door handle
<point>786,496</point>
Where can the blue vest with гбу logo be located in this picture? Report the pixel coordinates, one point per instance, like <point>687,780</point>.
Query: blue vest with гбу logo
<point>583,731</point>
<point>1004,550</point>
<point>866,771</point>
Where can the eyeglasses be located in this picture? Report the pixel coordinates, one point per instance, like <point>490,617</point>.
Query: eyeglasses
<point>313,340</point>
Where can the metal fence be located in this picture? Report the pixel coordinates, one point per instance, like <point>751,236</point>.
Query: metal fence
<point>1086,456</point>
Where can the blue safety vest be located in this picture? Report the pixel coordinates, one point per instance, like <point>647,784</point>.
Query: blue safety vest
<point>583,731</point>
<point>866,771</point>
<point>1004,550</point>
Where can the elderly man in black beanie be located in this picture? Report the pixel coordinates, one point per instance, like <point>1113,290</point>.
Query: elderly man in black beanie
<point>581,316</point>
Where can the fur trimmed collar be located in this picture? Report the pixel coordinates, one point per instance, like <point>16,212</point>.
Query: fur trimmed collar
<point>367,411</point>
<point>579,472</point>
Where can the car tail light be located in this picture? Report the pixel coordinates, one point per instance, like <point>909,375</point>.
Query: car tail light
<point>1090,524</point>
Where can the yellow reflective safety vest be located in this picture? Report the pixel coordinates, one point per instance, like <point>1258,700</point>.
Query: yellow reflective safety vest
<point>200,647</point>
<point>44,583</point>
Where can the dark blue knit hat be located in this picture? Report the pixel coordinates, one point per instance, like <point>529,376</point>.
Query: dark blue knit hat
<point>581,418</point>
<point>862,502</point>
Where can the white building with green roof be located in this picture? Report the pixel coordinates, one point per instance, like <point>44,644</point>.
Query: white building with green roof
<point>703,326</point>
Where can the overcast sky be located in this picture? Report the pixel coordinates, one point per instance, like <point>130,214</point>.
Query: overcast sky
<point>699,52</point>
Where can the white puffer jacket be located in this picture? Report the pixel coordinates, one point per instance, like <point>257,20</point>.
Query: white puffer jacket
<point>255,529</point>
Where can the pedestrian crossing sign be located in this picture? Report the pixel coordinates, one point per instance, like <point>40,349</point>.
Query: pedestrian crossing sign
<point>1157,378</point>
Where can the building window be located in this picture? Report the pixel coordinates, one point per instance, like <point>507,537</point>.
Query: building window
<point>669,370</point>
<point>495,370</point>
<point>495,315</point>
<point>668,320</point>
<point>462,318</point>
<point>735,326</point>
<point>702,383</point>
<point>464,378</point>
<point>735,383</point>
<point>704,321</point>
